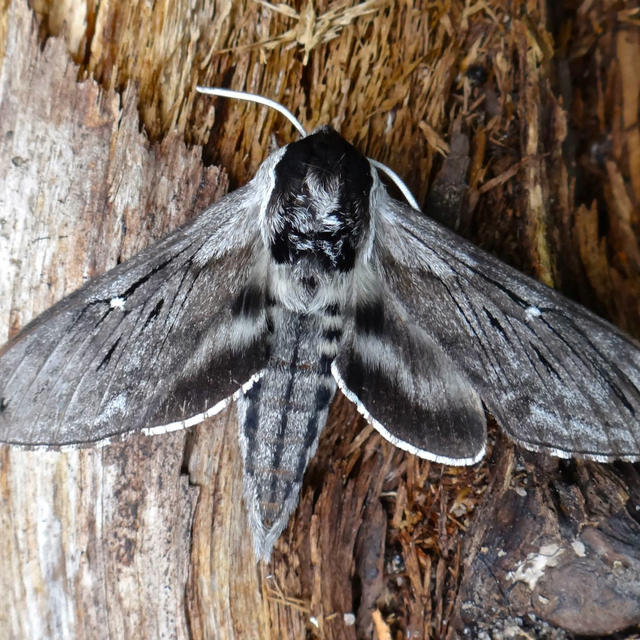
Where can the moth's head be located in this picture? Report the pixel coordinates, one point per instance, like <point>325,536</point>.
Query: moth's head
<point>318,210</point>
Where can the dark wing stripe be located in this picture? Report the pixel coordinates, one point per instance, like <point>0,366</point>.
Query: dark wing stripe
<point>60,374</point>
<point>174,314</point>
<point>495,323</point>
<point>156,269</point>
<point>410,391</point>
<point>595,363</point>
<point>603,372</point>
<point>87,371</point>
<point>487,354</point>
<point>549,310</point>
<point>250,424</point>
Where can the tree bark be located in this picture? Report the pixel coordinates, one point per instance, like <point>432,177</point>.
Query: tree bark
<point>148,538</point>
<point>97,542</point>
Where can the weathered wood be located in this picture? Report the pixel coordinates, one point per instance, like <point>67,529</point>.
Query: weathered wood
<point>121,542</point>
<point>555,545</point>
<point>96,542</point>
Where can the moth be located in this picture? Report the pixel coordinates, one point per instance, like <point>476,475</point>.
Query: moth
<point>311,278</point>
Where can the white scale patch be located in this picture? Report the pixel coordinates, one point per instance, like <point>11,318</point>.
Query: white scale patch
<point>579,549</point>
<point>531,313</point>
<point>117,303</point>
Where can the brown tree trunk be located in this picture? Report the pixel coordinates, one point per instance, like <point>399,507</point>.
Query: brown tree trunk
<point>148,538</point>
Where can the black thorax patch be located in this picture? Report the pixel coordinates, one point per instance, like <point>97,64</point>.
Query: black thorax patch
<point>319,207</point>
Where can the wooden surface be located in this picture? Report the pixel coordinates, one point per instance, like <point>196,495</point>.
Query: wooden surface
<point>97,542</point>
<point>148,539</point>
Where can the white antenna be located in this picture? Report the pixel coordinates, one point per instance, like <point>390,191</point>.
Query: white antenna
<point>253,97</point>
<point>397,180</point>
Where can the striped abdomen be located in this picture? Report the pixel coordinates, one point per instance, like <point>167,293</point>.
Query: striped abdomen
<point>282,415</point>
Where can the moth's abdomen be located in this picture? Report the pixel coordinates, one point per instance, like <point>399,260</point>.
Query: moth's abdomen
<point>282,415</point>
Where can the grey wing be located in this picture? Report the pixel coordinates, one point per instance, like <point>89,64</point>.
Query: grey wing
<point>404,383</point>
<point>159,342</point>
<point>557,377</point>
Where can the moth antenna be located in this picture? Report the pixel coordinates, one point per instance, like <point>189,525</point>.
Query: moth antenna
<point>397,180</point>
<point>254,97</point>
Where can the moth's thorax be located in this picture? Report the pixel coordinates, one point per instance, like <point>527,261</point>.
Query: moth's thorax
<point>317,218</point>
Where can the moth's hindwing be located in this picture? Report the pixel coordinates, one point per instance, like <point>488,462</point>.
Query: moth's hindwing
<point>407,387</point>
